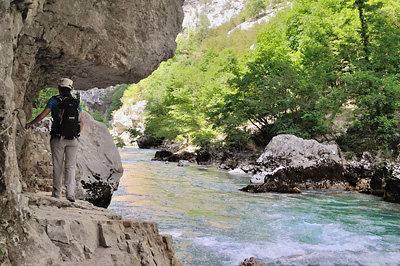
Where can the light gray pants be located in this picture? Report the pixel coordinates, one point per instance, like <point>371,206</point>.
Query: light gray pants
<point>61,149</point>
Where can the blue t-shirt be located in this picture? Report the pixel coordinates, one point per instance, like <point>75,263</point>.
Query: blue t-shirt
<point>53,104</point>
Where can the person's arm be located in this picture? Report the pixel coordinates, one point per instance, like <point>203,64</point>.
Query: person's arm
<point>39,118</point>
<point>81,120</point>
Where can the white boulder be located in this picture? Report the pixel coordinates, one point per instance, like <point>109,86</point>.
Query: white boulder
<point>99,166</point>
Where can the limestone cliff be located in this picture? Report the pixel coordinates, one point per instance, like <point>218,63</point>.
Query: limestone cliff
<point>218,12</point>
<point>96,43</point>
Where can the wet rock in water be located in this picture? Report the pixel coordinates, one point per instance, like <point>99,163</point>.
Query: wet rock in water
<point>358,172</point>
<point>203,157</point>
<point>162,155</point>
<point>149,142</point>
<point>168,156</point>
<point>289,164</point>
<point>380,174</point>
<point>271,186</point>
<point>369,174</point>
<point>385,182</point>
<point>187,156</point>
<point>230,163</point>
<point>392,190</point>
<point>251,262</point>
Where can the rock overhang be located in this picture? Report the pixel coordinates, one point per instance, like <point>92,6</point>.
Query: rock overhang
<point>95,43</point>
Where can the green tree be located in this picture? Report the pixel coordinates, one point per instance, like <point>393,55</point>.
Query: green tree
<point>202,31</point>
<point>254,7</point>
<point>40,103</point>
<point>114,99</point>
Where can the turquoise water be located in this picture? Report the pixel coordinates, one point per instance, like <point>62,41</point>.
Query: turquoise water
<point>212,223</point>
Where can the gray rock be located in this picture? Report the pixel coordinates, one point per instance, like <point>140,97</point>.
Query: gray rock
<point>290,163</point>
<point>130,116</point>
<point>149,142</point>
<point>392,190</point>
<point>251,262</point>
<point>59,232</point>
<point>370,174</point>
<point>168,156</point>
<point>359,171</point>
<point>82,234</point>
<point>217,12</point>
<point>93,98</point>
<point>99,167</point>
<point>385,182</point>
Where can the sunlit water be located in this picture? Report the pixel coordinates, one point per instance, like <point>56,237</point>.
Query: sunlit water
<point>212,223</point>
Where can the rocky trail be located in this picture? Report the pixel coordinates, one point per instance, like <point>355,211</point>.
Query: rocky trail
<point>79,233</point>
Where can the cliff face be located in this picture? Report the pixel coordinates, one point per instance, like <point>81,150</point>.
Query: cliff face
<point>96,43</point>
<point>217,11</point>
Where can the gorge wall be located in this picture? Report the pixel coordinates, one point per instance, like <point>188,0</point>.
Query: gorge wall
<point>96,43</point>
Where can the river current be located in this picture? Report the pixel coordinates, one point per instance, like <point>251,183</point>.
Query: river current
<point>213,223</point>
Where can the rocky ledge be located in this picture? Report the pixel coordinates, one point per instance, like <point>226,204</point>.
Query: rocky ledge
<point>81,234</point>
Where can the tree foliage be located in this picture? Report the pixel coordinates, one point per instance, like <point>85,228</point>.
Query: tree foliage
<point>306,64</point>
<point>113,99</point>
<point>40,103</point>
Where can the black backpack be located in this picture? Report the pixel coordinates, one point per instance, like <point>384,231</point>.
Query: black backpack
<point>68,126</point>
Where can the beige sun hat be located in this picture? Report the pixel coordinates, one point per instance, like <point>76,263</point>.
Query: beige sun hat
<point>66,82</point>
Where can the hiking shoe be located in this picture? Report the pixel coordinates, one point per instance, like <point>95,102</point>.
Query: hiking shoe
<point>71,198</point>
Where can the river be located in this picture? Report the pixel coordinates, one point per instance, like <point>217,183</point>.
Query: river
<point>212,223</point>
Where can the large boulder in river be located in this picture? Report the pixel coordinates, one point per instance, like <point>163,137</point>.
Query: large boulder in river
<point>149,142</point>
<point>289,164</point>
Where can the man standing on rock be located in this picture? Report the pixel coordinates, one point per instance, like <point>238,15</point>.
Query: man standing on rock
<point>67,123</point>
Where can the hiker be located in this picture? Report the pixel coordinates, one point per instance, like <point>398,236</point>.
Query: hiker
<point>67,122</point>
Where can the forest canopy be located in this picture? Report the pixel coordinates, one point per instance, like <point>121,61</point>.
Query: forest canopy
<point>294,74</point>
